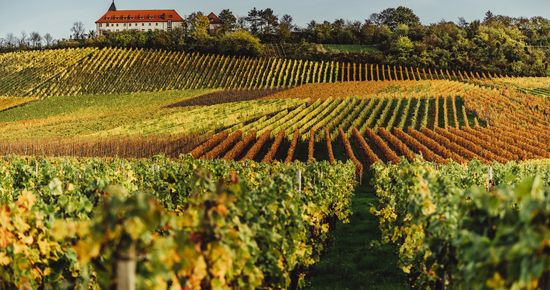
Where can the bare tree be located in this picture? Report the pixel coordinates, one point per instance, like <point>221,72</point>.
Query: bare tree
<point>23,39</point>
<point>78,30</point>
<point>11,40</point>
<point>36,39</point>
<point>48,39</point>
<point>91,34</point>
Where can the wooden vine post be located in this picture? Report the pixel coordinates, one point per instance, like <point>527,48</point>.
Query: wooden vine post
<point>126,269</point>
<point>299,180</point>
<point>490,181</point>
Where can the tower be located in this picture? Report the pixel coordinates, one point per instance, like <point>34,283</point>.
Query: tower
<point>113,6</point>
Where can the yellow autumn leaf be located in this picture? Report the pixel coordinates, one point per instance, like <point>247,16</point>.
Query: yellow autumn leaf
<point>62,229</point>
<point>4,260</point>
<point>19,249</point>
<point>406,269</point>
<point>86,250</point>
<point>44,247</point>
<point>5,238</point>
<point>496,282</point>
<point>134,227</point>
<point>428,207</point>
<point>21,226</point>
<point>26,200</point>
<point>82,228</point>
<point>222,260</point>
<point>4,214</point>
<point>27,240</point>
<point>199,272</point>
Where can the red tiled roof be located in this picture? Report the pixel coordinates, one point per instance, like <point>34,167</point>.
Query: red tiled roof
<point>214,19</point>
<point>131,16</point>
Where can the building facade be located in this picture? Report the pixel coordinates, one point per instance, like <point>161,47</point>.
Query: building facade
<point>215,22</point>
<point>143,20</point>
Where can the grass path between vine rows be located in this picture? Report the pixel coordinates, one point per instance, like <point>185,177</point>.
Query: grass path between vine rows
<point>355,257</point>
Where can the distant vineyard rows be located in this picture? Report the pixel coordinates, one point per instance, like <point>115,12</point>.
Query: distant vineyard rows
<point>482,124</point>
<point>513,127</point>
<point>112,70</point>
<point>439,145</point>
<point>362,114</point>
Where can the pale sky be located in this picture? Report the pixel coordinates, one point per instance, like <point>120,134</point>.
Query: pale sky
<point>57,16</point>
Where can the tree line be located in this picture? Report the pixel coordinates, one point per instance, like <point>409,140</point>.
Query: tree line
<point>396,36</point>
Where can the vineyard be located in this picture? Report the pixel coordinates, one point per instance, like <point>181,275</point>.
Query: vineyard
<point>421,88</point>
<point>500,144</point>
<point>162,206</point>
<point>21,72</point>
<point>206,171</point>
<point>112,70</point>
<point>481,123</point>
<point>450,230</point>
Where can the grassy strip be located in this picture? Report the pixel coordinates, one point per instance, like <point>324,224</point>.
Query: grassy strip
<point>355,258</point>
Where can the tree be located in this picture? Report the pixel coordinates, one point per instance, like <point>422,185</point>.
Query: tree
<point>322,32</point>
<point>78,30</point>
<point>229,20</point>
<point>48,39</point>
<point>392,17</point>
<point>36,39</point>
<point>401,48</point>
<point>241,23</point>
<point>255,20</point>
<point>488,16</point>
<point>11,40</point>
<point>198,24</point>
<point>286,27</point>
<point>241,42</point>
<point>270,19</point>
<point>23,40</point>
<point>462,22</point>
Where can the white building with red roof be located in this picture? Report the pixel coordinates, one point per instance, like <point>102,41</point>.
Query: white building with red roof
<point>143,20</point>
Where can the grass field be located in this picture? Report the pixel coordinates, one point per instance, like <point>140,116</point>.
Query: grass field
<point>93,116</point>
<point>353,48</point>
